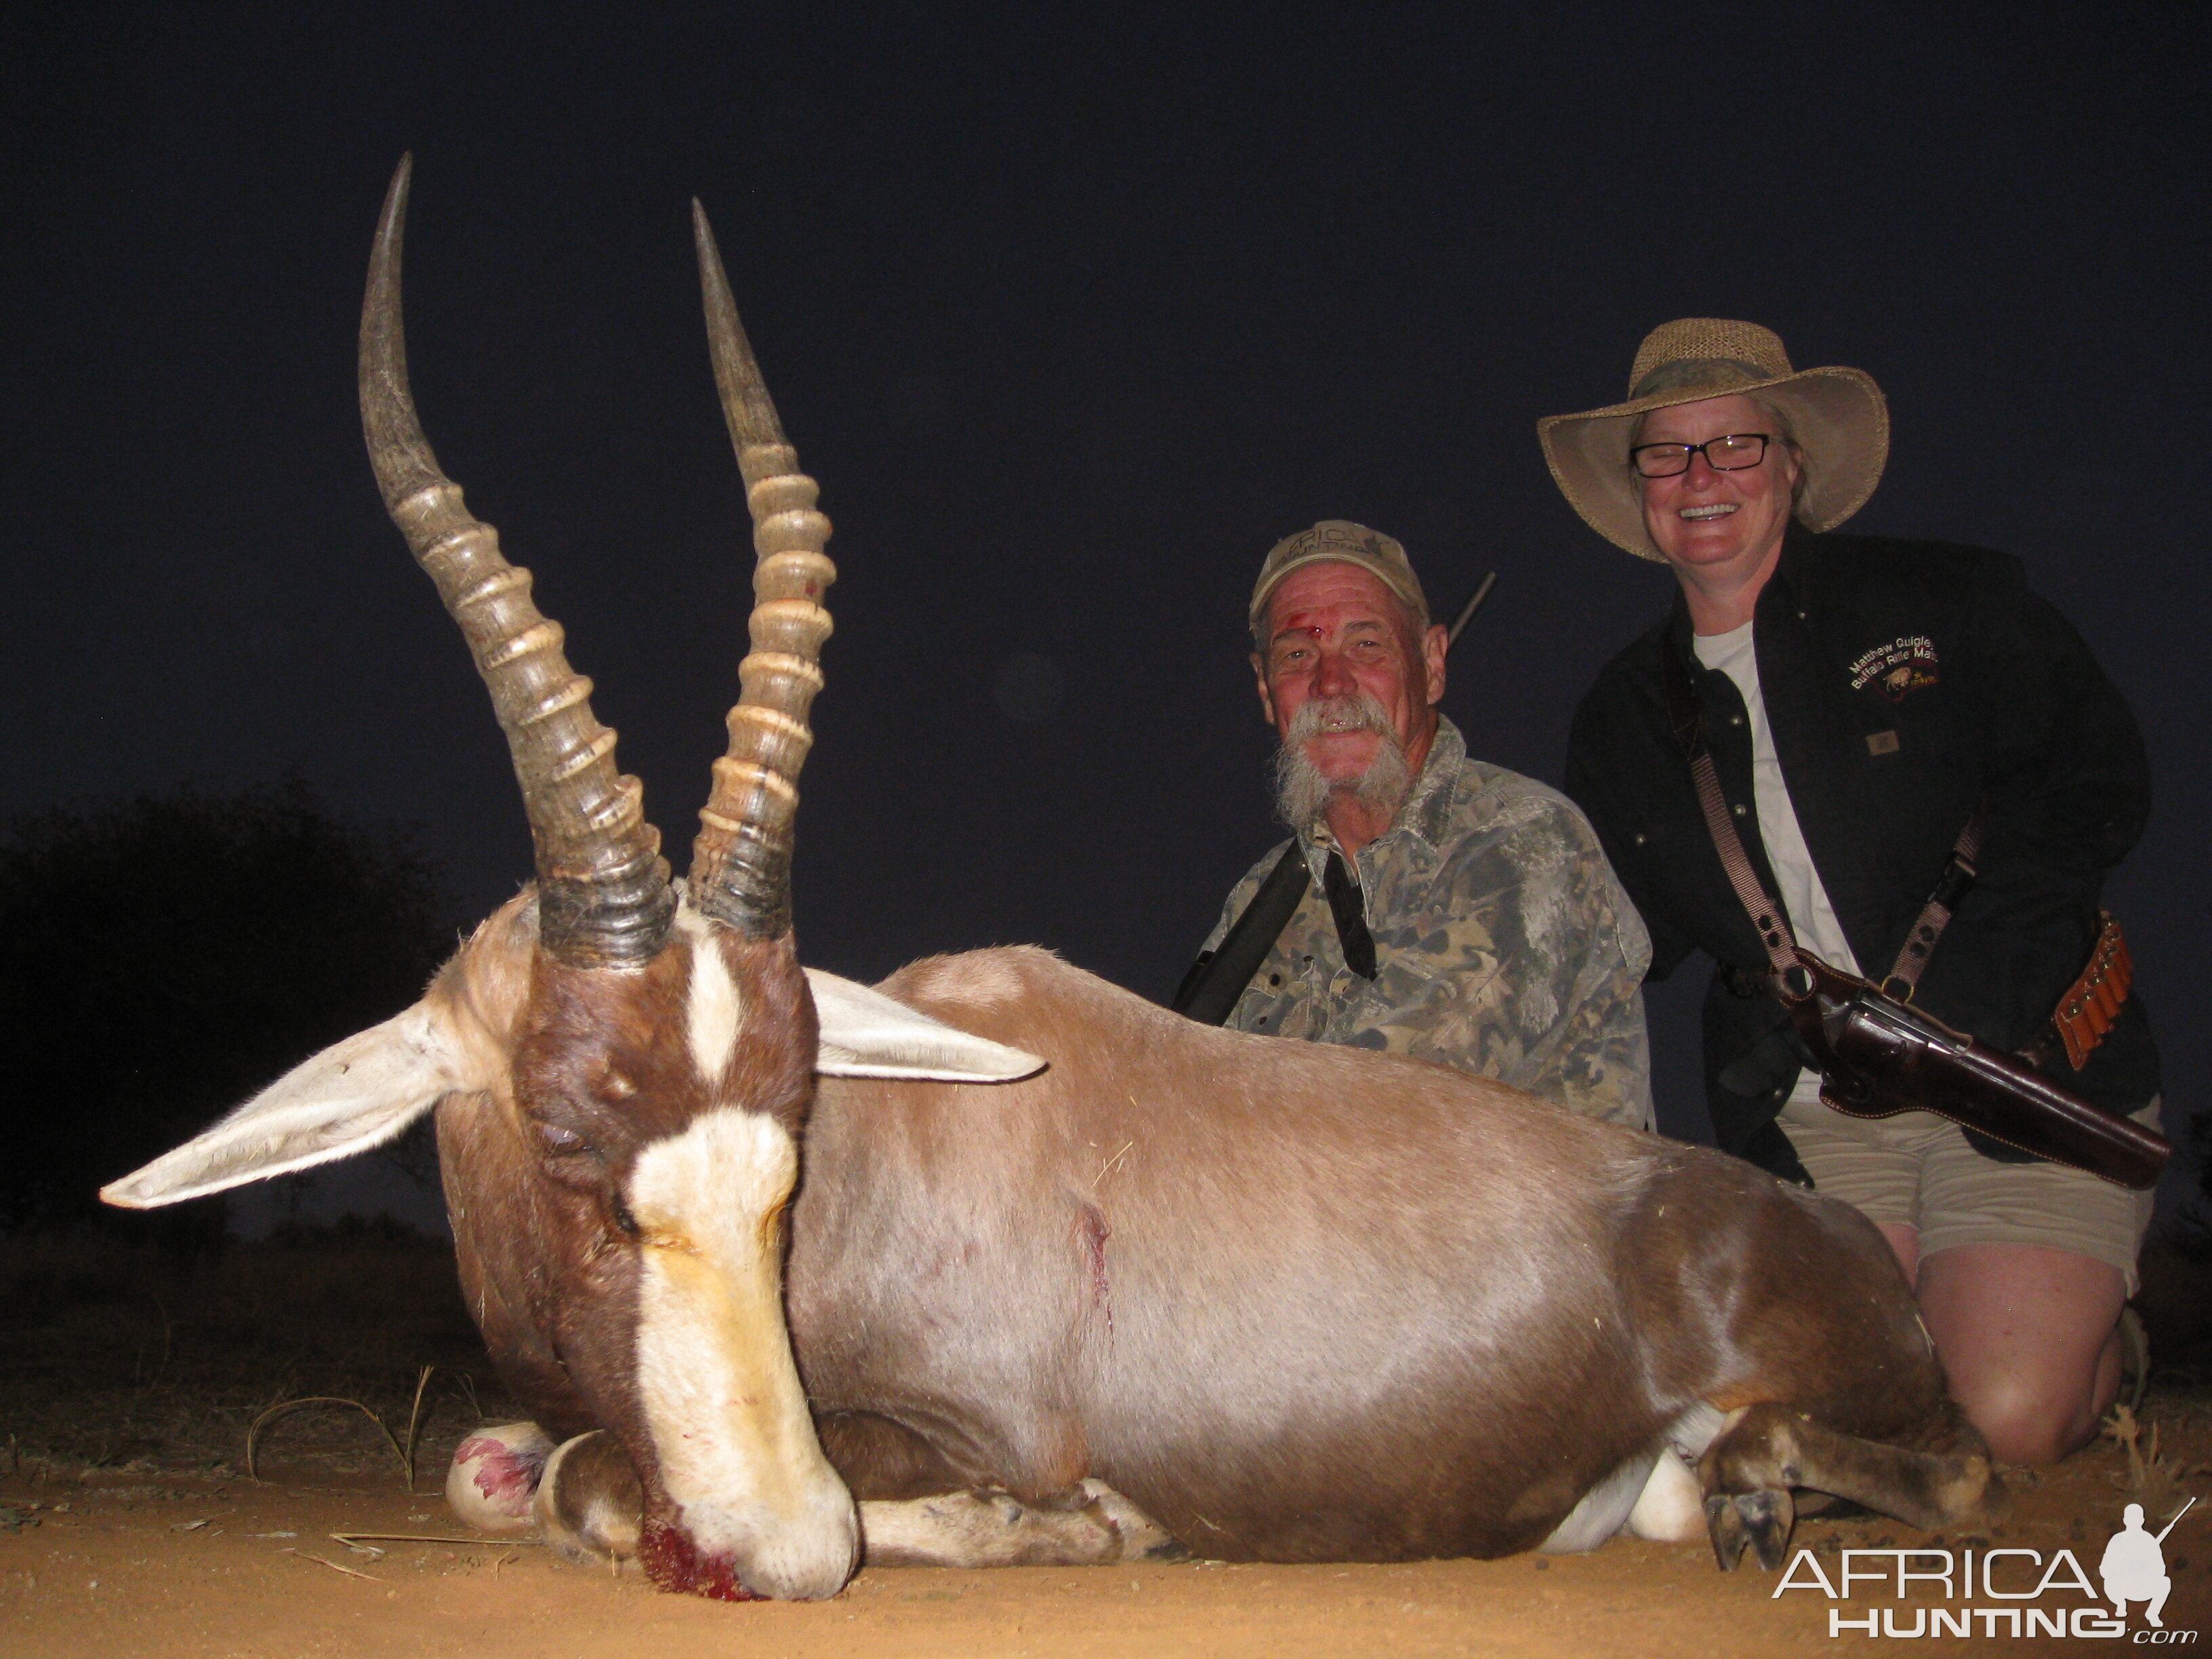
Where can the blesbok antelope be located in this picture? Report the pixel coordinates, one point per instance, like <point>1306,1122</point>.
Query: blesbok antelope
<point>1034,1269</point>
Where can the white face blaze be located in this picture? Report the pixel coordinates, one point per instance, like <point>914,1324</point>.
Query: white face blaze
<point>716,1008</point>
<point>720,1395</point>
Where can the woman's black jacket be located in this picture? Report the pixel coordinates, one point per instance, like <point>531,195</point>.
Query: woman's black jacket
<point>1906,682</point>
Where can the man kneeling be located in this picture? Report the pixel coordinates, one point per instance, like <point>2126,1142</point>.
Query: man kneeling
<point>1457,912</point>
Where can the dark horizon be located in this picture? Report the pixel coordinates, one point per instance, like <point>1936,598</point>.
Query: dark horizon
<point>1072,316</point>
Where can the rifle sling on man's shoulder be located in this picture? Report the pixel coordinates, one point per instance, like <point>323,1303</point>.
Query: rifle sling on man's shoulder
<point>1209,991</point>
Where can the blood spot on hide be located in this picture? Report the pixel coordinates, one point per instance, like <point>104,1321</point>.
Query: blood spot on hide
<point>506,1476</point>
<point>1090,1224</point>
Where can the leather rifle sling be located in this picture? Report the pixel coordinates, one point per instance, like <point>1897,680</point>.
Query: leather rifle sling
<point>1347,909</point>
<point>1688,721</point>
<point>1978,1088</point>
<point>1935,915</point>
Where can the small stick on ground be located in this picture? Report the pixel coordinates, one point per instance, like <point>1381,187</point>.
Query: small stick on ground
<point>414,1425</point>
<point>332,1565</point>
<point>358,1540</point>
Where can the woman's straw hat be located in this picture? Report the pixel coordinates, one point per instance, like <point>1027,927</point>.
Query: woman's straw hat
<point>1840,421</point>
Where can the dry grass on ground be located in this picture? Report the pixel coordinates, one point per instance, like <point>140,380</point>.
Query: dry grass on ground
<point>113,1356</point>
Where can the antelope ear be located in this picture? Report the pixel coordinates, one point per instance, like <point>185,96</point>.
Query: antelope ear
<point>354,1096</point>
<point>866,1033</point>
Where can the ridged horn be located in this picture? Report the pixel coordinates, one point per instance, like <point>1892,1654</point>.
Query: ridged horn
<point>604,892</point>
<point>741,861</point>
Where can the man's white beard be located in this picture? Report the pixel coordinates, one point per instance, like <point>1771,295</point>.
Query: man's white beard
<point>1302,793</point>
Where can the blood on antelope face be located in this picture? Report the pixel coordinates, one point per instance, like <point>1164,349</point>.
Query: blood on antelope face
<point>620,1067</point>
<point>660,1109</point>
<point>626,1066</point>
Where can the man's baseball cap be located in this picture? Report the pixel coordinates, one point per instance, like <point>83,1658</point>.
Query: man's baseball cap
<point>1342,541</point>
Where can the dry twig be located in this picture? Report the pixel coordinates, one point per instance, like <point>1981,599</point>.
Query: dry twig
<point>333,1566</point>
<point>365,1540</point>
<point>415,1423</point>
<point>404,1449</point>
<point>2152,1478</point>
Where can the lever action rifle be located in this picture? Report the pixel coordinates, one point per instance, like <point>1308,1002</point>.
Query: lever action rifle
<point>1877,1054</point>
<point>1209,991</point>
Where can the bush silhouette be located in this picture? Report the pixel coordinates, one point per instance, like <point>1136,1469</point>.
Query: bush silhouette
<point>163,958</point>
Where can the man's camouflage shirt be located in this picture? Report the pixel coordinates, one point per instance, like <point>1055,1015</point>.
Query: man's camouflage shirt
<point>1503,945</point>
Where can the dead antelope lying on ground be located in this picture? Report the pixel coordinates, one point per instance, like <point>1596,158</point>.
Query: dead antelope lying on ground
<point>1034,1270</point>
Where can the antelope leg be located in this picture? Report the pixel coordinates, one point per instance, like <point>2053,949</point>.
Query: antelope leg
<point>1748,1472</point>
<point>994,1529</point>
<point>495,1474</point>
<point>590,1506</point>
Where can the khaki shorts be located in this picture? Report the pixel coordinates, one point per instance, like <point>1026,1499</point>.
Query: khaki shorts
<point>1917,1170</point>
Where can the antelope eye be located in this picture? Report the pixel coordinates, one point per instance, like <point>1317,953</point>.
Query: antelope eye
<point>560,1140</point>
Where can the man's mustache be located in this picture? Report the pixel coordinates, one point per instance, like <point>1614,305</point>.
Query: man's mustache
<point>1355,711</point>
<point>1302,793</point>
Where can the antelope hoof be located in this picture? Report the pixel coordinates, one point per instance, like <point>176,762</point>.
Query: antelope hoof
<point>590,1506</point>
<point>1761,1519</point>
<point>1768,1516</point>
<point>1725,1527</point>
<point>495,1477</point>
<point>1143,1538</point>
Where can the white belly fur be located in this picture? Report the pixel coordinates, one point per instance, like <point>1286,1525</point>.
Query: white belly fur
<point>1655,1494</point>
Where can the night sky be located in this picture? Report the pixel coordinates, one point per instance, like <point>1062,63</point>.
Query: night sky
<point>1073,311</point>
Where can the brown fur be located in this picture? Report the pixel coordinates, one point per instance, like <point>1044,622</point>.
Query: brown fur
<point>1298,1303</point>
<point>1360,1308</point>
<point>542,1240</point>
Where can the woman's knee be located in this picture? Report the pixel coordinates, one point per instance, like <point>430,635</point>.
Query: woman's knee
<point>2032,1417</point>
<point>2026,1337</point>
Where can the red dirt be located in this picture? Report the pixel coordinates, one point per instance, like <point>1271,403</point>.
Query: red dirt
<point>153,1565</point>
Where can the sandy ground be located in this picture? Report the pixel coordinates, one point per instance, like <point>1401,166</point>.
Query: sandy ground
<point>110,1561</point>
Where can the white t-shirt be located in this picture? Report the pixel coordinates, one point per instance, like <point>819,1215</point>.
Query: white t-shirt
<point>1805,900</point>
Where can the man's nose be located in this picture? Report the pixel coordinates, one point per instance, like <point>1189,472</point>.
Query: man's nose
<point>1333,674</point>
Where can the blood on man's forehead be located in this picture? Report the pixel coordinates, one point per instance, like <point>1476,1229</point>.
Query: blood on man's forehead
<point>1321,614</point>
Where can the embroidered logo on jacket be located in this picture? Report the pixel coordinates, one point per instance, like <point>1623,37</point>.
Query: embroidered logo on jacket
<point>1905,664</point>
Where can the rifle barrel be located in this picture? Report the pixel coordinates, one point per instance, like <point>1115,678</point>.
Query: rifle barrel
<point>1467,611</point>
<point>2170,1525</point>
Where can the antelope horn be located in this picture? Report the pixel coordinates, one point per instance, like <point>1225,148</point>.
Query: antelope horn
<point>741,860</point>
<point>604,892</point>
